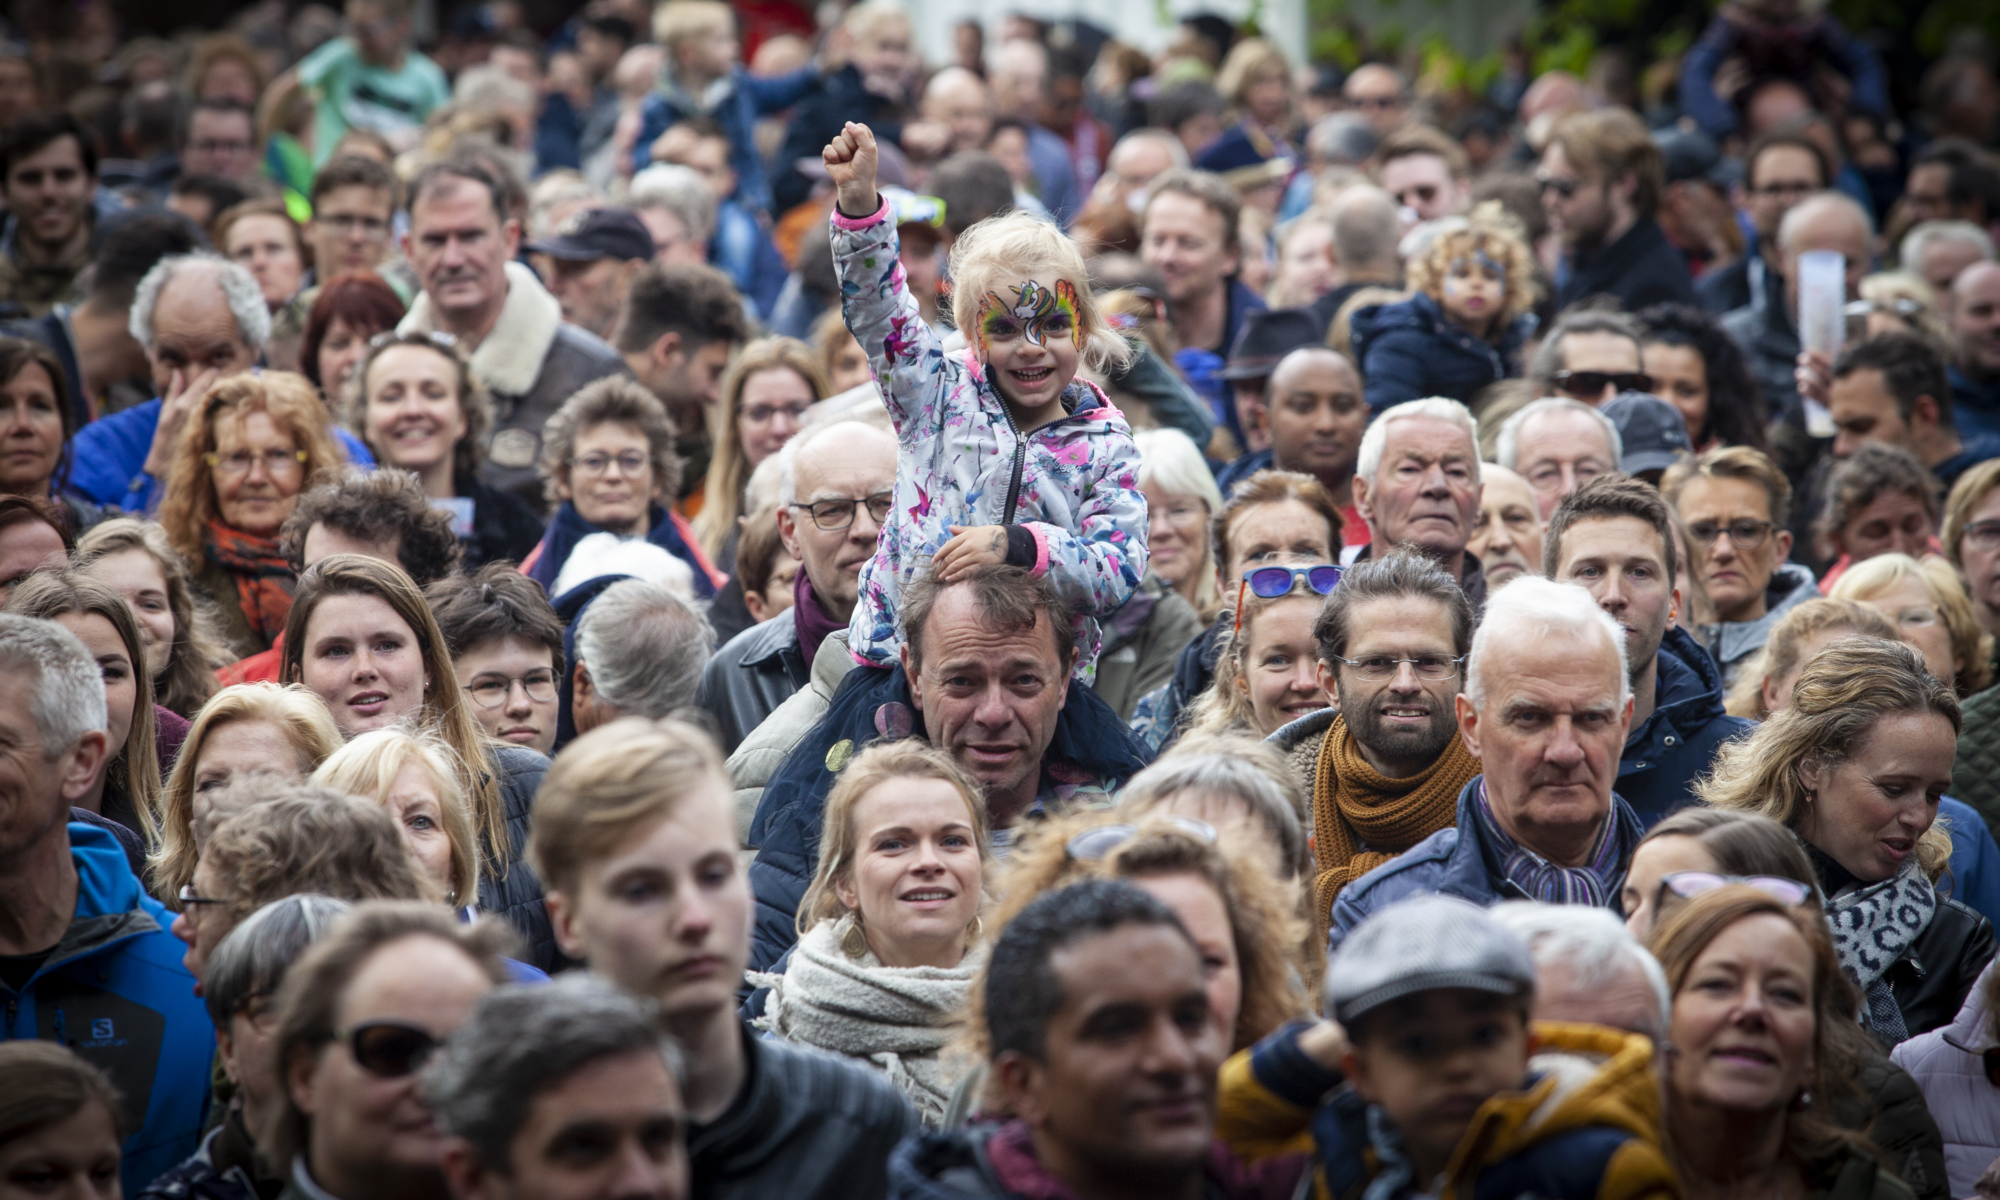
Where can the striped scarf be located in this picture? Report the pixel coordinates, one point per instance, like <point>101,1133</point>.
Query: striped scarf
<point>1596,882</point>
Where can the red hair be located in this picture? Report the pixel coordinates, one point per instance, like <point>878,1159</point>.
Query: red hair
<point>360,298</point>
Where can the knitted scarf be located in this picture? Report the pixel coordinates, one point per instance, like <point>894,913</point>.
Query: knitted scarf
<point>1362,818</point>
<point>1872,927</point>
<point>809,618</point>
<point>1594,883</point>
<point>264,576</point>
<point>896,1018</point>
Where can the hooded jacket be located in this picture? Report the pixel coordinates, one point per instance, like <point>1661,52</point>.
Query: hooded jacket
<point>1071,486</point>
<point>1670,749</point>
<point>1946,1064</point>
<point>1455,862</point>
<point>531,361</point>
<point>1584,1126</point>
<point>1730,642</point>
<point>114,991</point>
<point>1408,350</point>
<point>959,1164</point>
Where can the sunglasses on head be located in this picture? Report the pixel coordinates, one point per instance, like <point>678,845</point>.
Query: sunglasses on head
<point>1095,845</point>
<point>391,1049</point>
<point>1689,884</point>
<point>1593,383</point>
<point>1273,583</point>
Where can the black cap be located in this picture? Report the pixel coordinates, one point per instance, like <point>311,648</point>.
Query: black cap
<point>1692,154</point>
<point>1268,336</point>
<point>599,233</point>
<point>1652,431</point>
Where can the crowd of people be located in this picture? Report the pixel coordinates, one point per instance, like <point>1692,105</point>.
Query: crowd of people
<point>692,604</point>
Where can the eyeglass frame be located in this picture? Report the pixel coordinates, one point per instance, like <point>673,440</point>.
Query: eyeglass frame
<point>1762,883</point>
<point>1991,534</point>
<point>1624,381</point>
<point>507,689</point>
<point>854,505</point>
<point>1456,663</point>
<point>1769,527</point>
<point>188,896</point>
<point>352,1040</point>
<point>577,464</point>
<point>1298,573</point>
<point>269,459</point>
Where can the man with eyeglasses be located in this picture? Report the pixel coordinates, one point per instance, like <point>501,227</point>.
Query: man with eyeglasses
<point>354,209</point>
<point>1614,538</point>
<point>1735,501</point>
<point>1546,707</point>
<point>221,139</point>
<point>1384,767</point>
<point>1601,177</point>
<point>85,956</point>
<point>835,484</point>
<point>1558,445</point>
<point>1426,172</point>
<point>1780,169</point>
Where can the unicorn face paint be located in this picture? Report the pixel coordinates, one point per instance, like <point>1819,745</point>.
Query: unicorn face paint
<point>1031,345</point>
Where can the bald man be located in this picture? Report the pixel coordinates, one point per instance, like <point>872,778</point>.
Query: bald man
<point>1765,330</point>
<point>1975,367</point>
<point>1366,230</point>
<point>1508,537</point>
<point>960,101</point>
<point>1316,415</point>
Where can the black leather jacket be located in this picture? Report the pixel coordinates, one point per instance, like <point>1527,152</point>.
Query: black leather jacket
<point>807,1126</point>
<point>1932,978</point>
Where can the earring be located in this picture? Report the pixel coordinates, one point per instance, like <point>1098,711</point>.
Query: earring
<point>854,943</point>
<point>976,930</point>
<point>1804,1100</point>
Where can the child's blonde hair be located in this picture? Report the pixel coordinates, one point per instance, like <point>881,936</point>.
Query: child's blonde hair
<point>1002,250</point>
<point>678,21</point>
<point>863,20</point>
<point>1492,229</point>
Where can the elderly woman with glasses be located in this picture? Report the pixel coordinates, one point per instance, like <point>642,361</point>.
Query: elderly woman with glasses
<point>253,443</point>
<point>419,408</point>
<point>608,462</point>
<point>1930,610</point>
<point>1856,768</point>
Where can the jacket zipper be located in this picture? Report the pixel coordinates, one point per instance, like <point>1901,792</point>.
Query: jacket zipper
<point>1020,460</point>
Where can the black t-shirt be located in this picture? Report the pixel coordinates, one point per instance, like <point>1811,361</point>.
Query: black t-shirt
<point>17,969</point>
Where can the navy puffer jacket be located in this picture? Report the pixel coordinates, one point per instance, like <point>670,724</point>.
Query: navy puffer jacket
<point>1407,351</point>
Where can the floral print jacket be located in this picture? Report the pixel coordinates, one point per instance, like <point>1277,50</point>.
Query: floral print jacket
<point>1072,484</point>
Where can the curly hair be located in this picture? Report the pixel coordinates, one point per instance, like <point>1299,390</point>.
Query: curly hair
<point>293,405</point>
<point>1873,471</point>
<point>1490,230</point>
<point>728,465</point>
<point>1840,696</point>
<point>1737,413</point>
<point>613,400</point>
<point>474,404</point>
<point>198,650</point>
<point>271,840</point>
<point>1262,909</point>
<point>374,506</point>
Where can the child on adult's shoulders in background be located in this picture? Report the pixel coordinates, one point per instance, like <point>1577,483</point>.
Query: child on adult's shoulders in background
<point>764,566</point>
<point>1464,328</point>
<point>1429,1081</point>
<point>1005,455</point>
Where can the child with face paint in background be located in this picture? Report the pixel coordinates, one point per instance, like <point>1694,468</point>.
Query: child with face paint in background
<point>1005,455</point>
<point>1464,328</point>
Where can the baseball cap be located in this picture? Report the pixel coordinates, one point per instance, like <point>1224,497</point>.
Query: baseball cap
<point>599,233</point>
<point>1653,432</point>
<point>1692,154</point>
<point>1420,945</point>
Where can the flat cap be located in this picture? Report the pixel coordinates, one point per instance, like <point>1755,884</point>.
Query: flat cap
<point>1420,945</point>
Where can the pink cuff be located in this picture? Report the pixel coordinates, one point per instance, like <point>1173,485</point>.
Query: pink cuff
<point>1041,567</point>
<point>843,221</point>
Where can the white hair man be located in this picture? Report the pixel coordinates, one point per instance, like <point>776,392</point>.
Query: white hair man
<point>1546,706</point>
<point>1765,330</point>
<point>199,317</point>
<point>640,651</point>
<point>1938,250</point>
<point>1416,483</point>
<point>1589,968</point>
<point>1557,445</point>
<point>835,483</point>
<point>104,975</point>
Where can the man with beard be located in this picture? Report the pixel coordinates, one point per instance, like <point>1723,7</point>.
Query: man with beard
<point>1614,537</point>
<point>1386,766</point>
<point>1416,483</point>
<point>48,172</point>
<point>1545,708</point>
<point>1601,178</point>
<point>1508,538</point>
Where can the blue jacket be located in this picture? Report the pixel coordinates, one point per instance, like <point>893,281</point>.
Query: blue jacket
<point>1456,861</point>
<point>1973,876</point>
<point>114,991</point>
<point>1668,751</point>
<point>821,113</point>
<point>1975,407</point>
<point>1055,174</point>
<point>742,249</point>
<point>1408,350</point>
<point>108,457</point>
<point>1202,367</point>
<point>747,98</point>
<point>1825,40</point>
<point>1091,752</point>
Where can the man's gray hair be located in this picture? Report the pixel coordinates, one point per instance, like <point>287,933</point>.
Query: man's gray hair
<point>254,957</point>
<point>1531,609</point>
<point>239,288</point>
<point>681,191</point>
<point>788,454</point>
<point>1550,358</point>
<point>1366,229</point>
<point>1507,450</point>
<point>522,1042</point>
<point>1376,440</point>
<point>1812,205</point>
<point>1593,944</point>
<point>1918,241</point>
<point>1164,138</point>
<point>1341,139</point>
<point>645,648</point>
<point>68,699</point>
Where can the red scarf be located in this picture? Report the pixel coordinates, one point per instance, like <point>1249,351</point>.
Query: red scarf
<point>264,576</point>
